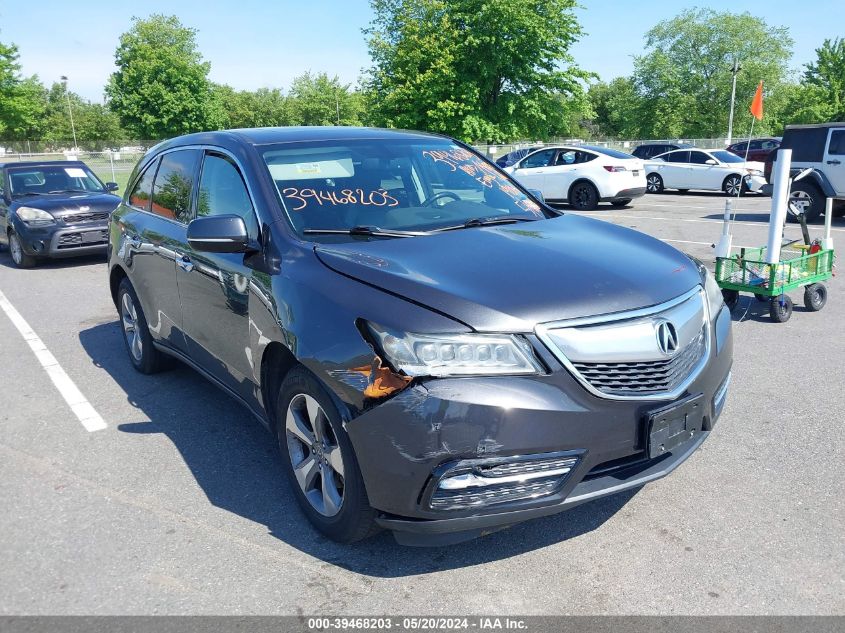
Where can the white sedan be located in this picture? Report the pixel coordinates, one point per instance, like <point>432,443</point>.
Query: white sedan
<point>582,175</point>
<point>714,170</point>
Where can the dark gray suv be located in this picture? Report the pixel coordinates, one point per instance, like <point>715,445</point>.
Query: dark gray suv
<point>436,351</point>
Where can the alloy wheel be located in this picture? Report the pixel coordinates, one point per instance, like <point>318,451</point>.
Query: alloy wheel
<point>653,184</point>
<point>15,249</point>
<point>799,202</point>
<point>129,317</point>
<point>315,455</point>
<point>733,185</point>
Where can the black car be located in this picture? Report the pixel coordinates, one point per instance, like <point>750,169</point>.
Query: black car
<point>646,151</point>
<point>435,351</point>
<point>53,209</point>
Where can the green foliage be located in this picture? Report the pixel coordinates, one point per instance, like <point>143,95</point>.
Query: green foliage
<point>21,103</point>
<point>616,109</point>
<point>684,77</point>
<point>476,69</point>
<point>161,86</point>
<point>320,100</point>
<point>825,79</point>
<point>265,107</point>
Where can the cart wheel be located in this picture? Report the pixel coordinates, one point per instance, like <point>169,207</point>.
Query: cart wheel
<point>731,298</point>
<point>815,296</point>
<point>780,309</point>
<point>762,298</point>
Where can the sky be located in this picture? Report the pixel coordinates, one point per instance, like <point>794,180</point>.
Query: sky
<point>253,43</point>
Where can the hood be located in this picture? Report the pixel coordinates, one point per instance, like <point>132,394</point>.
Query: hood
<point>60,204</point>
<point>509,278</point>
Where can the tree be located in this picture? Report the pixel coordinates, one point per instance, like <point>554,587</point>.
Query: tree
<point>21,99</point>
<point>475,69</point>
<point>684,77</point>
<point>161,86</point>
<point>320,100</point>
<point>265,107</point>
<point>827,77</point>
<point>616,108</point>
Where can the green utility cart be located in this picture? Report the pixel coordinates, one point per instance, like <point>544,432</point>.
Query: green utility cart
<point>800,266</point>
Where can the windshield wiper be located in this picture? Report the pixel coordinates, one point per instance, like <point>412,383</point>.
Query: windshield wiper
<point>367,231</point>
<point>492,221</point>
<point>69,191</point>
<point>23,194</point>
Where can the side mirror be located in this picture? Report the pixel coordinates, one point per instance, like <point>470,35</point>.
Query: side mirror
<point>112,186</point>
<point>219,234</point>
<point>537,194</point>
<point>711,161</point>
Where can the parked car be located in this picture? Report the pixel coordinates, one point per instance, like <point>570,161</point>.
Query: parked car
<point>53,209</point>
<point>510,158</point>
<point>436,352</point>
<point>757,149</point>
<point>820,148</point>
<point>645,151</point>
<point>712,170</point>
<point>582,175</point>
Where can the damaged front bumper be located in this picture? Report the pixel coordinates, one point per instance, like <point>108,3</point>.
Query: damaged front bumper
<point>406,445</point>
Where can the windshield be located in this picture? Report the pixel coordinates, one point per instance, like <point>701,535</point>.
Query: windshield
<point>726,157</point>
<point>405,185</point>
<point>51,179</point>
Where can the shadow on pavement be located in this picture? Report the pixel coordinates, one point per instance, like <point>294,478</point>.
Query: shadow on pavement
<point>235,462</point>
<point>63,262</point>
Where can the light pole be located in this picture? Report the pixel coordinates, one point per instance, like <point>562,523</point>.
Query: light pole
<point>734,71</point>
<point>70,113</point>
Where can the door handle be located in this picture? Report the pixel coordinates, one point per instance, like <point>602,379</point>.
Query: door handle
<point>184,262</point>
<point>834,162</point>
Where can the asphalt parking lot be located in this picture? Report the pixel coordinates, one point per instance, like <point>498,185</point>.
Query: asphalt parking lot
<point>179,506</point>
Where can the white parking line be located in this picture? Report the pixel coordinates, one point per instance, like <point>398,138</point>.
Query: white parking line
<point>83,410</point>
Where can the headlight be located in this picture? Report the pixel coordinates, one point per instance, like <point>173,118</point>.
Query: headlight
<point>713,292</point>
<point>754,172</point>
<point>34,217</point>
<point>456,354</point>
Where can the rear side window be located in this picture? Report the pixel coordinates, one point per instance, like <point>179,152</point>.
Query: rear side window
<point>837,143</point>
<point>174,183</point>
<point>223,192</point>
<point>677,157</point>
<point>143,189</point>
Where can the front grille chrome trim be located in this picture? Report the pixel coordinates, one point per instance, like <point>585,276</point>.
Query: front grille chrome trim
<point>543,333</point>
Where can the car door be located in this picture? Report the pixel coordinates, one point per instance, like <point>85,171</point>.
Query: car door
<point>560,175</point>
<point>4,206</point>
<point>673,170</point>
<point>215,287</point>
<point>531,170</point>
<point>156,235</point>
<point>834,159</point>
<point>700,175</point>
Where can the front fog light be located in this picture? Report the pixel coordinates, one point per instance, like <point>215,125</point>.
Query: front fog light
<point>456,354</point>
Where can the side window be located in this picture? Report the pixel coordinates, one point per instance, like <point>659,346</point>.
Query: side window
<point>174,183</point>
<point>223,192</point>
<point>2,183</point>
<point>678,157</point>
<point>143,190</point>
<point>837,143</point>
<point>770,144</point>
<point>539,159</point>
<point>698,158</point>
<point>756,144</point>
<point>566,158</point>
<point>584,157</point>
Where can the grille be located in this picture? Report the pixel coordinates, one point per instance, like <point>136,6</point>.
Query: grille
<point>646,377</point>
<point>79,218</point>
<point>76,240</point>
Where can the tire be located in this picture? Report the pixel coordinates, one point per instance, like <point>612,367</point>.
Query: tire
<point>654,183</point>
<point>815,297</point>
<point>320,461</point>
<point>683,190</point>
<point>583,196</point>
<point>621,203</point>
<point>733,185</point>
<point>19,258</point>
<point>780,309</point>
<point>143,355</point>
<point>806,196</point>
<point>731,298</point>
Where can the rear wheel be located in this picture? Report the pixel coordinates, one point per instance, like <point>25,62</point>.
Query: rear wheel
<point>654,183</point>
<point>621,203</point>
<point>780,309</point>
<point>806,198</point>
<point>732,185</point>
<point>321,465</point>
<point>20,259</point>
<point>583,196</point>
<point>815,296</point>
<point>136,334</point>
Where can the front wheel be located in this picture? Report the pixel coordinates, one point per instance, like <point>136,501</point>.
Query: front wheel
<point>19,257</point>
<point>321,465</point>
<point>654,183</point>
<point>732,185</point>
<point>780,309</point>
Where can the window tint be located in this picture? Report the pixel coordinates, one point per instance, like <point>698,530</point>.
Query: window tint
<point>837,143</point>
<point>699,158</point>
<point>566,158</point>
<point>539,159</point>
<point>143,190</point>
<point>677,157</point>
<point>173,185</point>
<point>770,144</point>
<point>223,192</point>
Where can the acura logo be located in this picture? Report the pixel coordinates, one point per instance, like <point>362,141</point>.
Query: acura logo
<point>667,338</point>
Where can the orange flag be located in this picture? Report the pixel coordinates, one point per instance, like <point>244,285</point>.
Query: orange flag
<point>757,103</point>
